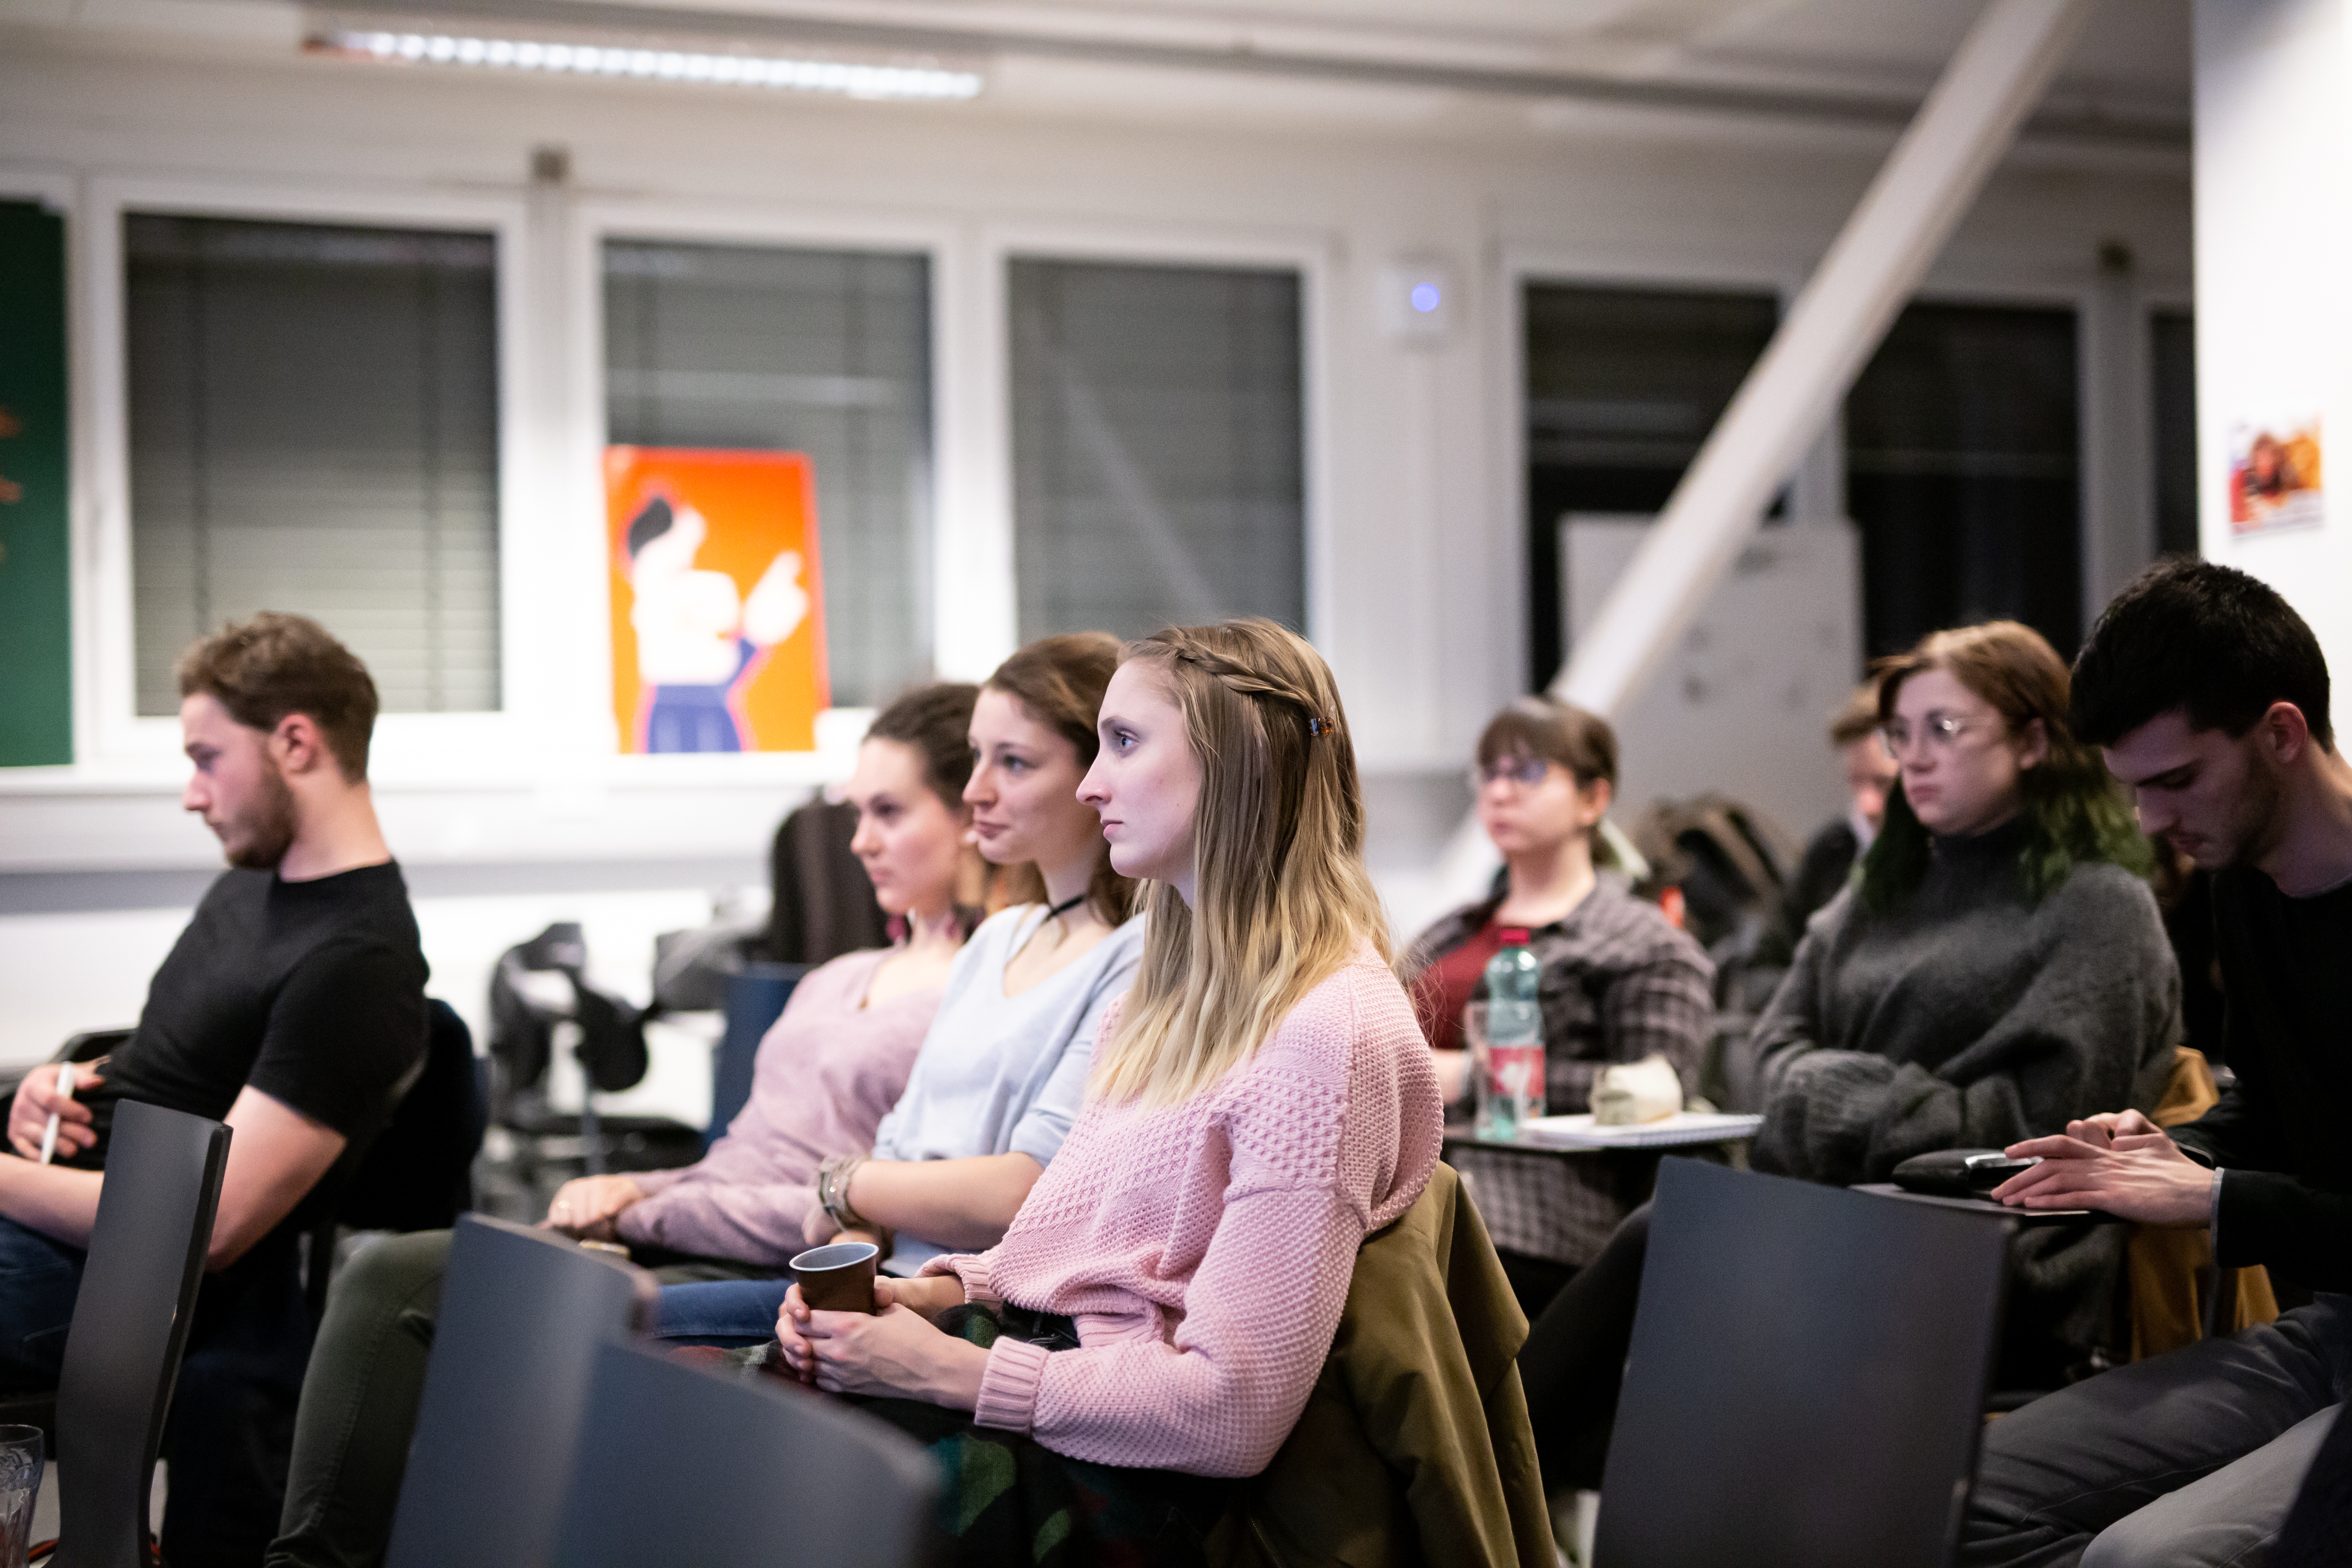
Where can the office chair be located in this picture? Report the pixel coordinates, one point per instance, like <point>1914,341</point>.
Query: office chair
<point>1808,1377</point>
<point>679,1466</point>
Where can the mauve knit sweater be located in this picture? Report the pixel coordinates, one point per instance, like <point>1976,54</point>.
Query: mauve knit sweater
<point>1203,1249</point>
<point>824,1078</point>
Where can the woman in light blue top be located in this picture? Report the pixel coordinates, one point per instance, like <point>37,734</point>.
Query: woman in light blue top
<point>1000,1076</point>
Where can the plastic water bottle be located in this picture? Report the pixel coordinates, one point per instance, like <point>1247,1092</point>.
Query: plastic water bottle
<point>1511,1090</point>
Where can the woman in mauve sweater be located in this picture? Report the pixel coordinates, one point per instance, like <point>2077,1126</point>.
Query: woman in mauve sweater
<point>834,1064</point>
<point>1163,1302</point>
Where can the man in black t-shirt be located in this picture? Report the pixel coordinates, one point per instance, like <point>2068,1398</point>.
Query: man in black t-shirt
<point>292,1008</point>
<point>2210,696</point>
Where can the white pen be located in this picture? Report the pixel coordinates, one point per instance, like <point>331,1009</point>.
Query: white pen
<point>65,1088</point>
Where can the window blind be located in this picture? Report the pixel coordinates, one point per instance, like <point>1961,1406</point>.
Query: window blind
<point>821,351</point>
<point>1158,448</point>
<point>313,428</point>
<point>1622,385</point>
<point>2172,376</point>
<point>1963,474</point>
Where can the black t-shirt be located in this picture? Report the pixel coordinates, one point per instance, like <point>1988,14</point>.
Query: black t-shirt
<point>312,991</point>
<point>2279,1130</point>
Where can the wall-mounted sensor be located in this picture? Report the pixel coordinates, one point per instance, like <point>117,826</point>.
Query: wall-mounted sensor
<point>1417,301</point>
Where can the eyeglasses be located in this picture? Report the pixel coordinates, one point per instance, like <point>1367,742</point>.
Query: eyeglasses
<point>1519,768</point>
<point>1941,731</point>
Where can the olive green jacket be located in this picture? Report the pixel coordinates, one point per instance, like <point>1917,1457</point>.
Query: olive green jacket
<point>1414,1446</point>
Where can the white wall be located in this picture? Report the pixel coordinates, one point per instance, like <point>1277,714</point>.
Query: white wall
<point>2273,239</point>
<point>1417,547</point>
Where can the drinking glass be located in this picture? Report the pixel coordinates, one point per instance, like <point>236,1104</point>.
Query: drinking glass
<point>20,1487</point>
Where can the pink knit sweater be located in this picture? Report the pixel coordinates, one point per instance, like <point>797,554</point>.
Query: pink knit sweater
<point>1204,1249</point>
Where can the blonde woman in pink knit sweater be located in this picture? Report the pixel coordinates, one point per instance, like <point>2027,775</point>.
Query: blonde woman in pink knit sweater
<point>1163,1302</point>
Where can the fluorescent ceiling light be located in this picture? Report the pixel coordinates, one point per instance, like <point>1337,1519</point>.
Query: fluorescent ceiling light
<point>852,80</point>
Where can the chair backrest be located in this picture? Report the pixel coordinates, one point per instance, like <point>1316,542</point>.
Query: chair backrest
<point>146,1260</point>
<point>1808,1376</point>
<point>755,999</point>
<point>418,1174</point>
<point>522,1313</point>
<point>680,1465</point>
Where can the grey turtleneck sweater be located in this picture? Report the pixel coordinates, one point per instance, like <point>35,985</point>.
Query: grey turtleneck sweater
<point>1966,1017</point>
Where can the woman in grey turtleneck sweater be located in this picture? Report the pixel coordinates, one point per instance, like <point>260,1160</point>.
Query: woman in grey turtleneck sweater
<point>1996,968</point>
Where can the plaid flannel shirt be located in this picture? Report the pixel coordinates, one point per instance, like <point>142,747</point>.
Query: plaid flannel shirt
<point>1618,982</point>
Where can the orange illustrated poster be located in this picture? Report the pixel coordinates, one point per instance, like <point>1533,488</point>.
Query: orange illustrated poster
<point>717,600</point>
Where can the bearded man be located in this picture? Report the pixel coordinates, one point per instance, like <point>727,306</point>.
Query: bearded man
<point>292,1008</point>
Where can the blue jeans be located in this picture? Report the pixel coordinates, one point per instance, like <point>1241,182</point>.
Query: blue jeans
<point>231,1426</point>
<point>729,1312</point>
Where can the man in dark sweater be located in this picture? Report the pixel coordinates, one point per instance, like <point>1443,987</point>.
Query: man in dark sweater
<point>2209,695</point>
<point>293,1008</point>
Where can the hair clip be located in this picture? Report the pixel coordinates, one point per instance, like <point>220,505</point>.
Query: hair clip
<point>1318,725</point>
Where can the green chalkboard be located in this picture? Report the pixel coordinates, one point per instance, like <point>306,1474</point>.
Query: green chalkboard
<point>36,624</point>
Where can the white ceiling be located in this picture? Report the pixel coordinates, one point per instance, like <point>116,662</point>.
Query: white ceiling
<point>2135,50</point>
<point>1430,63</point>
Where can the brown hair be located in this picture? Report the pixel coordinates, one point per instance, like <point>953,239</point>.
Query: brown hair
<point>2073,810</point>
<point>262,670</point>
<point>936,722</point>
<point>1059,680</point>
<point>1281,899</point>
<point>1542,726</point>
<point>1858,719</point>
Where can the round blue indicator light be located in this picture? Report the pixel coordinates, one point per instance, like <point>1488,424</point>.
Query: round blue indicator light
<point>1426,298</point>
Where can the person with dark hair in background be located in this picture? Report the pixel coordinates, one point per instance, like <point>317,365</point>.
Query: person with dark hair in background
<point>2210,696</point>
<point>1996,969</point>
<point>1619,982</point>
<point>1831,853</point>
<point>292,1008</point>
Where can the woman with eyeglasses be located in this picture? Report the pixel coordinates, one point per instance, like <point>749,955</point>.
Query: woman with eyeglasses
<point>1618,981</point>
<point>1997,970</point>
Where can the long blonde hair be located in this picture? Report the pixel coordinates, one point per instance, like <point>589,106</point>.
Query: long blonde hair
<point>1282,899</point>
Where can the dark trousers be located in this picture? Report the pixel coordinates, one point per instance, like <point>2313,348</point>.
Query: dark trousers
<point>359,1403</point>
<point>2188,1458</point>
<point>1574,1360</point>
<point>232,1419</point>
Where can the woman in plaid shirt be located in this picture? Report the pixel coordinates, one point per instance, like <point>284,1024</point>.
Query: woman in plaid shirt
<point>1619,982</point>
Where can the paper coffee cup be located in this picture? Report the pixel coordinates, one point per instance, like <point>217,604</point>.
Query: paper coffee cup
<point>838,1277</point>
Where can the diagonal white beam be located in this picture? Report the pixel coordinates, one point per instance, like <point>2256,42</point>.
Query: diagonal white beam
<point>1910,210</point>
<point>1928,182</point>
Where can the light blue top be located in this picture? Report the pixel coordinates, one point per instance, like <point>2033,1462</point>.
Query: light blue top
<point>1004,1075</point>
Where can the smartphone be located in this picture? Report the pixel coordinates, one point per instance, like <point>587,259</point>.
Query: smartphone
<point>1986,1171</point>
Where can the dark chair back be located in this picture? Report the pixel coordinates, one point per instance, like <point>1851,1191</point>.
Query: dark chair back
<point>1808,1377</point>
<point>155,1212</point>
<point>523,1311</point>
<point>679,1465</point>
<point>823,904</point>
<point>755,999</point>
<point>419,1174</point>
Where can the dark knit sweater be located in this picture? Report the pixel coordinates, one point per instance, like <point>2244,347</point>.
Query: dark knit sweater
<point>1968,1017</point>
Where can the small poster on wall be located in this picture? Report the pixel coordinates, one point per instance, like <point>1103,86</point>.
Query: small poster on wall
<point>2275,474</point>
<point>717,600</point>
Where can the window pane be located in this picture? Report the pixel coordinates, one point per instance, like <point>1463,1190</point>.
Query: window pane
<point>314,428</point>
<point>1961,461</point>
<point>1623,386</point>
<point>825,352</point>
<point>1158,455</point>
<point>2172,342</point>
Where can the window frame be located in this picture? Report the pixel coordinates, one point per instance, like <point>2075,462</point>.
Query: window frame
<point>1820,479</point>
<point>108,731</point>
<point>657,219</point>
<point>1311,254</point>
